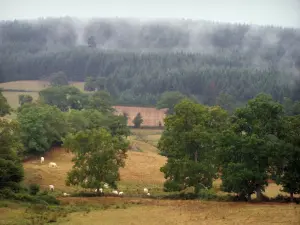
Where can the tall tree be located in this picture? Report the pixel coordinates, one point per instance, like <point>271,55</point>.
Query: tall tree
<point>189,141</point>
<point>138,120</point>
<point>97,158</point>
<point>58,79</point>
<point>41,126</point>
<point>4,106</point>
<point>25,99</point>
<point>169,100</point>
<point>11,169</point>
<point>245,148</point>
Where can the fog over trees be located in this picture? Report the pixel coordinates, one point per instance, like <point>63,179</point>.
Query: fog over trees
<point>139,60</point>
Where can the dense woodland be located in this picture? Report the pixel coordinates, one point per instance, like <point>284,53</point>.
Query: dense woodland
<point>138,61</point>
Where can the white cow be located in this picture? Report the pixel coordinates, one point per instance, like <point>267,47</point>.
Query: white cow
<point>115,192</point>
<point>100,190</point>
<point>52,164</point>
<point>51,187</point>
<point>42,159</point>
<point>105,185</point>
<point>66,194</point>
<point>148,193</point>
<point>146,190</point>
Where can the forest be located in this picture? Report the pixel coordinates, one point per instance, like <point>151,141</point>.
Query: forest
<point>137,61</point>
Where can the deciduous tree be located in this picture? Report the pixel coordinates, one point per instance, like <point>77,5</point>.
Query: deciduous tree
<point>97,158</point>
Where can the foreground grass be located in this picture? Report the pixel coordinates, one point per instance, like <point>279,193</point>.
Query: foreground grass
<point>151,212</point>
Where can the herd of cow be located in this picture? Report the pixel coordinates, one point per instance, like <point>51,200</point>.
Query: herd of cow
<point>106,186</point>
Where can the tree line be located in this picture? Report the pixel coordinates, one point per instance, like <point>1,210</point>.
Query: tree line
<point>257,142</point>
<point>210,60</point>
<point>245,147</point>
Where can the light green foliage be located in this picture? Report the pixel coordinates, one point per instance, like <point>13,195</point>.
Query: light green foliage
<point>25,99</point>
<point>41,126</point>
<point>246,146</point>
<point>189,142</point>
<point>169,99</point>
<point>4,106</point>
<point>101,101</point>
<point>58,79</point>
<point>93,119</point>
<point>138,120</point>
<point>98,157</point>
<point>11,169</point>
<point>64,97</point>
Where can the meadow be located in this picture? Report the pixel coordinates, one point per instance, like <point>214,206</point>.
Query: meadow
<point>142,169</point>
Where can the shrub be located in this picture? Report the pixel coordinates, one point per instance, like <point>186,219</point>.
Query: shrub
<point>34,189</point>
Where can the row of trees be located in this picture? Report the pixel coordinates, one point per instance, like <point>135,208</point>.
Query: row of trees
<point>196,58</point>
<point>92,132</point>
<point>256,143</point>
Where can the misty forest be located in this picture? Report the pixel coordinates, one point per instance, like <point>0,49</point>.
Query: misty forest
<point>136,61</point>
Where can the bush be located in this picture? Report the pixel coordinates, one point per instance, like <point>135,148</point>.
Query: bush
<point>209,194</point>
<point>34,189</point>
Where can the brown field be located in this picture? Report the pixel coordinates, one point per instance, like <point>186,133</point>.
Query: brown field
<point>154,212</point>
<point>151,116</point>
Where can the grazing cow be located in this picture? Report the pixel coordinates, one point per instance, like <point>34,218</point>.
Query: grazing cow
<point>100,190</point>
<point>42,159</point>
<point>115,192</point>
<point>121,193</point>
<point>51,187</point>
<point>52,164</point>
<point>66,194</point>
<point>146,190</point>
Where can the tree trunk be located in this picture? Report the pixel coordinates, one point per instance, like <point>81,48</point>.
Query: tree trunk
<point>292,196</point>
<point>259,195</point>
<point>196,156</point>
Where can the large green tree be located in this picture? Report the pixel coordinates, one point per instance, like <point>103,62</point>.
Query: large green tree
<point>285,166</point>
<point>64,97</point>
<point>4,106</point>
<point>41,126</point>
<point>169,99</point>
<point>246,146</point>
<point>97,158</point>
<point>58,79</point>
<point>11,169</point>
<point>189,142</point>
<point>93,119</point>
<point>25,99</point>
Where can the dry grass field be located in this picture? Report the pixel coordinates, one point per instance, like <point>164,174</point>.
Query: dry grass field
<point>142,169</point>
<point>158,212</point>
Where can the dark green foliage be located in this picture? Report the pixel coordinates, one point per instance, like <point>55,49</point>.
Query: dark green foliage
<point>11,169</point>
<point>4,106</point>
<point>34,189</point>
<point>233,59</point>
<point>58,79</point>
<point>247,145</point>
<point>189,142</point>
<point>25,99</point>
<point>138,120</point>
<point>64,97</point>
<point>169,100</point>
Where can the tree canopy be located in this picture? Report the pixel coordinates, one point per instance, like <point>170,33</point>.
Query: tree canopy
<point>97,158</point>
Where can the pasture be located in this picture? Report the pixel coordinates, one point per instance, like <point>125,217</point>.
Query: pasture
<point>142,169</point>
